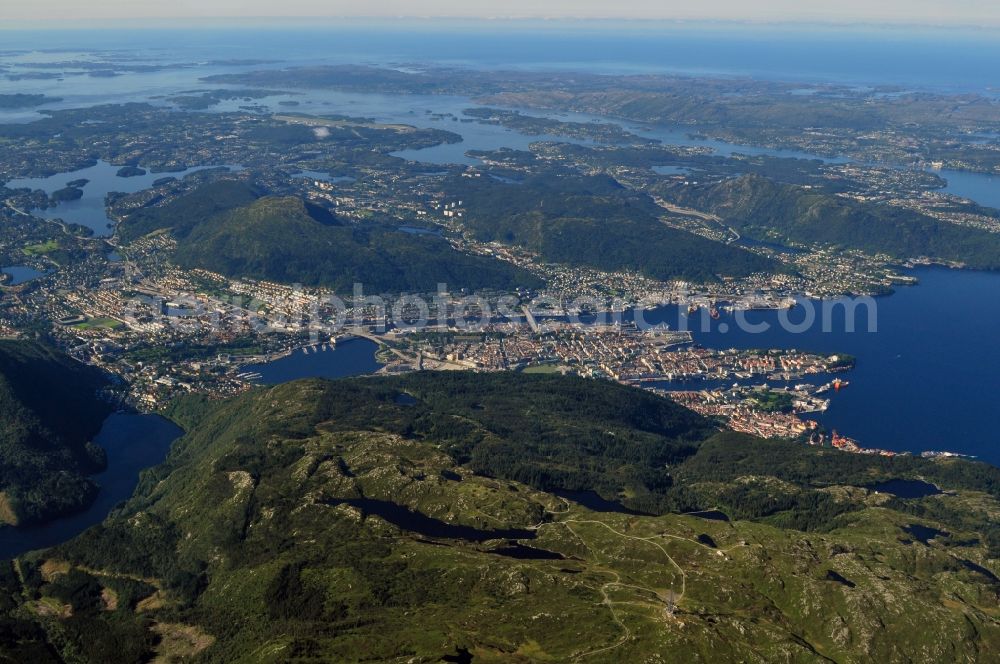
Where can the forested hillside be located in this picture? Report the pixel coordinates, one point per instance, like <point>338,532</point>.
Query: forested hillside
<point>435,516</point>
<point>49,413</point>
<point>228,227</point>
<point>766,209</point>
<point>594,221</point>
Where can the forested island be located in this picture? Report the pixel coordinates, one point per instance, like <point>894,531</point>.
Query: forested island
<point>911,127</point>
<point>22,100</point>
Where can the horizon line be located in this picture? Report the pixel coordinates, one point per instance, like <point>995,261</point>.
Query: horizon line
<point>195,22</point>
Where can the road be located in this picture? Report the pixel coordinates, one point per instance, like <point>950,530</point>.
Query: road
<point>704,216</point>
<point>16,209</point>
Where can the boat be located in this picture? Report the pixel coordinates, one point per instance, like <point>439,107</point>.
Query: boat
<point>713,312</point>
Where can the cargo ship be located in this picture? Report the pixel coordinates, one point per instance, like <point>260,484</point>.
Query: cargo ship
<point>835,385</point>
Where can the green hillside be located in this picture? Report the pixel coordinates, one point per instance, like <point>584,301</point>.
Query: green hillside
<point>415,518</point>
<point>767,209</point>
<point>187,212</point>
<point>594,221</point>
<point>227,227</point>
<point>49,412</point>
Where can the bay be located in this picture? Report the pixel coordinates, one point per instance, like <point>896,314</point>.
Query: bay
<point>926,377</point>
<point>979,187</point>
<point>349,358</point>
<point>20,274</point>
<point>89,210</point>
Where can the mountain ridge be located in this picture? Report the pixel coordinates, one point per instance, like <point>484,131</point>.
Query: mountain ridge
<point>233,229</point>
<point>764,208</point>
<point>339,521</point>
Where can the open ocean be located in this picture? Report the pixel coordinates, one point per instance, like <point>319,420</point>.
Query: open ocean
<point>918,58</point>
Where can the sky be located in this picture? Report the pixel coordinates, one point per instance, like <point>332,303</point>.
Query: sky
<point>980,13</point>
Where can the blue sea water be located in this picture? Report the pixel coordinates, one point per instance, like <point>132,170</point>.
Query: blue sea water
<point>20,274</point>
<point>979,187</point>
<point>89,210</point>
<point>926,378</point>
<point>349,358</point>
<point>907,57</point>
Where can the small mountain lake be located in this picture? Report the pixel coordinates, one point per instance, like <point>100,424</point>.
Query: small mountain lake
<point>594,502</point>
<point>710,515</point>
<point>407,519</point>
<point>906,488</point>
<point>523,552</point>
<point>923,534</point>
